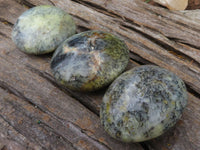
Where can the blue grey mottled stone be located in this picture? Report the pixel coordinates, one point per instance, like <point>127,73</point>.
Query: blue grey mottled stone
<point>41,29</point>
<point>89,61</point>
<point>143,103</point>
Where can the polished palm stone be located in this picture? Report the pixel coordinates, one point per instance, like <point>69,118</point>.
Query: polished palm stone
<point>41,29</point>
<point>89,60</point>
<point>143,103</point>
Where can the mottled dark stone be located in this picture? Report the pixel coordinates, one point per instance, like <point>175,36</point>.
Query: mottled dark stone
<point>143,103</point>
<point>41,29</point>
<point>89,61</point>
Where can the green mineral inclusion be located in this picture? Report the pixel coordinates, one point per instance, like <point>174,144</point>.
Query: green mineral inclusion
<point>41,29</point>
<point>94,59</point>
<point>143,103</point>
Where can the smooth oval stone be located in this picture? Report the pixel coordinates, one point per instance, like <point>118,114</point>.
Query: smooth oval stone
<point>89,61</point>
<point>143,103</point>
<point>41,29</point>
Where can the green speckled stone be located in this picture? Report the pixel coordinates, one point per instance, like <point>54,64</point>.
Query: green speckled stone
<point>143,103</point>
<point>89,61</point>
<point>41,29</point>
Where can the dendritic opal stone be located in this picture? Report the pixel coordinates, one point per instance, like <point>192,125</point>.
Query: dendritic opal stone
<point>41,29</point>
<point>143,103</point>
<point>89,60</point>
